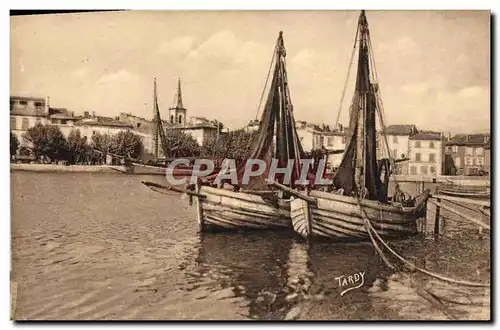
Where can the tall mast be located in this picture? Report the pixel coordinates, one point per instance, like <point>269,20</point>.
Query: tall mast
<point>155,121</point>
<point>358,171</point>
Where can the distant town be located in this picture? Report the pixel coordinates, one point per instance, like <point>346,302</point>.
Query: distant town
<point>426,152</point>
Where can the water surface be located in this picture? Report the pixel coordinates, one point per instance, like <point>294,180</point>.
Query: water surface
<point>103,246</point>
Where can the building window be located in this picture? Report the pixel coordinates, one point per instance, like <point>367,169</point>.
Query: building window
<point>13,123</point>
<point>38,104</point>
<point>423,169</point>
<point>26,124</point>
<point>417,144</point>
<point>447,149</point>
<point>330,141</point>
<point>469,151</point>
<point>455,148</point>
<point>23,103</point>
<point>138,125</point>
<point>394,139</point>
<point>344,139</point>
<point>432,158</point>
<point>63,121</point>
<point>413,170</point>
<point>38,121</point>
<point>417,157</point>
<point>431,144</point>
<point>432,169</point>
<point>479,151</point>
<point>480,161</point>
<point>172,119</point>
<point>468,161</point>
<point>458,163</point>
<point>180,119</point>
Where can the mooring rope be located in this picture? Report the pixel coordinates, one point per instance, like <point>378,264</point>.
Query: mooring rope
<point>435,275</point>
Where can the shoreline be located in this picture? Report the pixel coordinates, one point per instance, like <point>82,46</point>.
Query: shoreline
<point>51,168</point>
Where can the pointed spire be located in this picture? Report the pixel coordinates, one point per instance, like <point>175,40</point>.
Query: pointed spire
<point>177,104</point>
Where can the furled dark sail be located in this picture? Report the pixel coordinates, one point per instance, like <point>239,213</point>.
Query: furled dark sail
<point>158,130</point>
<point>358,172</point>
<point>276,121</point>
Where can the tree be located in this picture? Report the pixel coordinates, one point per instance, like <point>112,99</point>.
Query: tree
<point>14,144</point>
<point>46,140</point>
<point>24,151</point>
<point>78,147</point>
<point>180,144</point>
<point>234,145</point>
<point>127,143</point>
<point>101,142</point>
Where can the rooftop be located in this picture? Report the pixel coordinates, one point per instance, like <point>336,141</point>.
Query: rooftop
<point>400,130</point>
<point>28,98</point>
<point>62,113</point>
<point>427,136</point>
<point>469,139</point>
<point>103,121</point>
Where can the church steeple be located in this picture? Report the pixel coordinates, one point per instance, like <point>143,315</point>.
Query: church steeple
<point>177,111</point>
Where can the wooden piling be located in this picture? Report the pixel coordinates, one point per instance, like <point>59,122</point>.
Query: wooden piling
<point>199,208</point>
<point>437,217</point>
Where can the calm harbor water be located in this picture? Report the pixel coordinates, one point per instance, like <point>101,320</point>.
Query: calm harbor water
<point>103,246</point>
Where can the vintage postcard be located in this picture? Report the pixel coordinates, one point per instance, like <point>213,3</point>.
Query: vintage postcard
<point>251,165</point>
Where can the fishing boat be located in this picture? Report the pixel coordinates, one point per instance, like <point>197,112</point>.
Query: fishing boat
<point>358,195</point>
<point>158,166</point>
<point>466,191</point>
<point>253,205</point>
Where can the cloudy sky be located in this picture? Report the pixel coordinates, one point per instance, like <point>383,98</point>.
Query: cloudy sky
<point>433,67</point>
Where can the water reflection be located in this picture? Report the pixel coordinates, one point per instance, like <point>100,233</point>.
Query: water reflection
<point>281,277</point>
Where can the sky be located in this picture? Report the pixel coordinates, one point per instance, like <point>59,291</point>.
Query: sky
<point>433,66</point>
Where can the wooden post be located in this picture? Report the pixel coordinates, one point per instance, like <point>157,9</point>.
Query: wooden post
<point>481,228</point>
<point>437,215</point>
<point>199,208</point>
<point>307,215</point>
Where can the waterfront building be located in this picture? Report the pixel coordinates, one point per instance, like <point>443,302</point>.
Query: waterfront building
<point>398,137</point>
<point>310,135</point>
<point>90,125</point>
<point>426,153</point>
<point>28,111</point>
<point>468,154</point>
<point>253,126</point>
<point>335,139</point>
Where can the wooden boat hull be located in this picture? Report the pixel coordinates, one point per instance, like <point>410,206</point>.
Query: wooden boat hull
<point>339,217</point>
<point>136,168</point>
<point>221,209</point>
<point>465,194</point>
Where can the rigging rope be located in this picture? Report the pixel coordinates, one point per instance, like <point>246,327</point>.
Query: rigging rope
<point>267,79</point>
<point>380,106</point>
<point>438,276</point>
<point>347,78</point>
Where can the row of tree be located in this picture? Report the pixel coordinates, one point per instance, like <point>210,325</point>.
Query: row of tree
<point>48,141</point>
<point>233,145</point>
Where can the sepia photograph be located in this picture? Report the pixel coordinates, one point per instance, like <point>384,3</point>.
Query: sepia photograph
<point>264,165</point>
